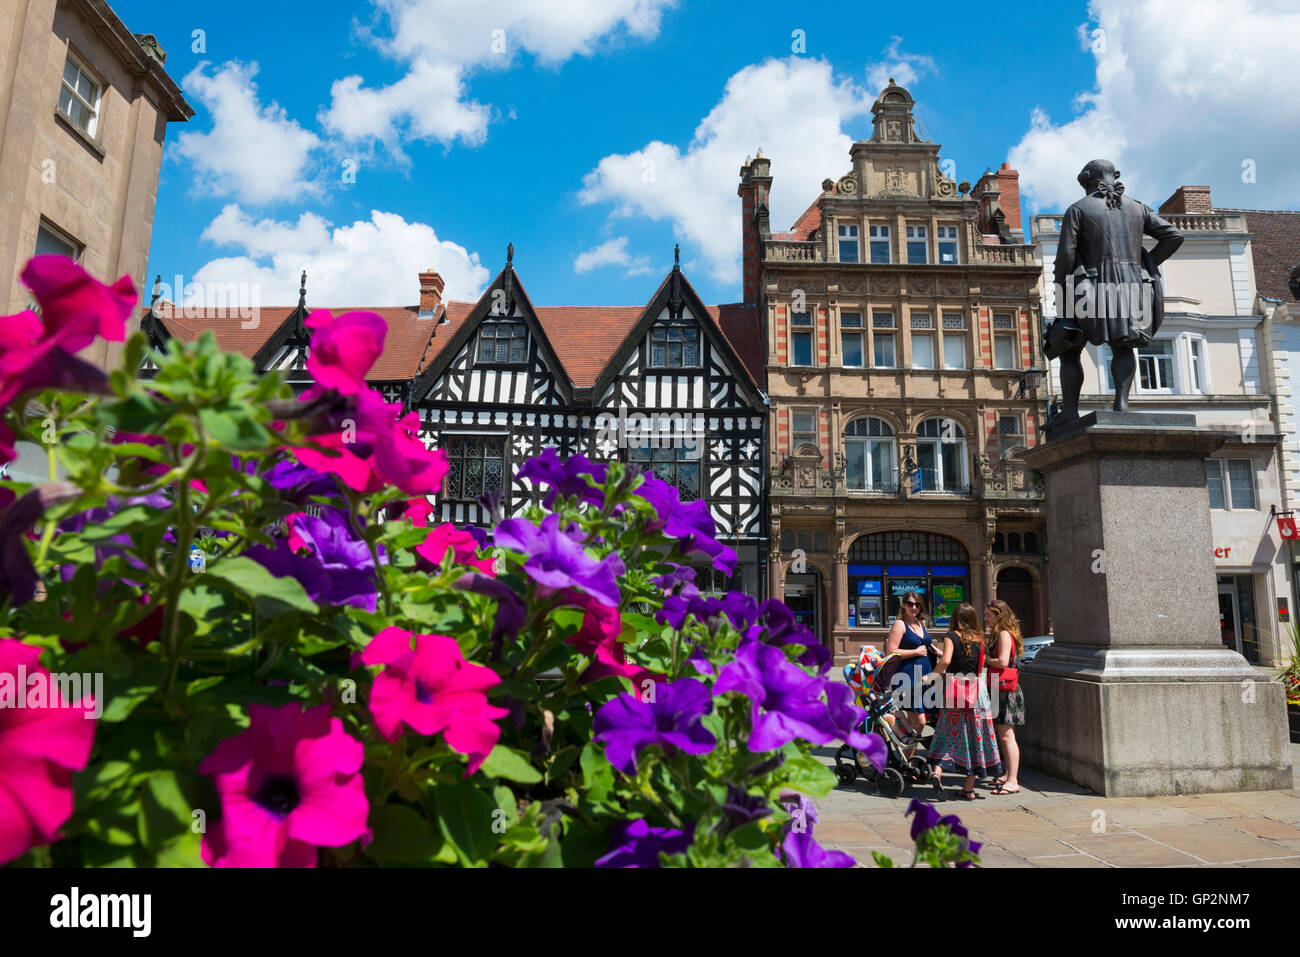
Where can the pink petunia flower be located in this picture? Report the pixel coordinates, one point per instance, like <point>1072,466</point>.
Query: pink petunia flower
<point>344,348</point>
<point>599,637</point>
<point>433,689</point>
<point>39,351</point>
<point>463,545</point>
<point>373,445</point>
<point>40,747</point>
<point>288,784</point>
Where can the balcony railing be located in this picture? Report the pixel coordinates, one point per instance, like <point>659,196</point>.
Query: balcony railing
<point>1006,255</point>
<point>1012,479</point>
<point>791,251</point>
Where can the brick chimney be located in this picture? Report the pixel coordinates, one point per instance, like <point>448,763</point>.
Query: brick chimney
<point>1000,191</point>
<point>431,287</point>
<point>1187,199</point>
<point>755,181</point>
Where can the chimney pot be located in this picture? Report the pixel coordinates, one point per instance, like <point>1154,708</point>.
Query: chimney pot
<point>431,287</point>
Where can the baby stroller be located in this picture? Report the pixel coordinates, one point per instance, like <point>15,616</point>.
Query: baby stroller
<point>870,680</point>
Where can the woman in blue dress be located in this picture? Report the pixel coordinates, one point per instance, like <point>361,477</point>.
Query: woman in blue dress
<point>908,637</point>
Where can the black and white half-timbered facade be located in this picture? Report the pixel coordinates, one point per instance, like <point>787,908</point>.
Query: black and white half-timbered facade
<point>675,386</point>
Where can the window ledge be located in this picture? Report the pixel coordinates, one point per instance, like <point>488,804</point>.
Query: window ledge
<point>92,143</point>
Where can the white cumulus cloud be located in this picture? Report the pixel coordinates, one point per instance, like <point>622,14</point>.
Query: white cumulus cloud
<point>793,109</point>
<point>1185,92</point>
<point>612,253</point>
<point>372,262</point>
<point>903,68</point>
<point>440,42</point>
<point>254,153</point>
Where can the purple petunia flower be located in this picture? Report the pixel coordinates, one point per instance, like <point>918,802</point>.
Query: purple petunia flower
<point>558,558</point>
<point>671,720</point>
<point>339,570</point>
<point>799,848</point>
<point>679,581</point>
<point>298,482</point>
<point>638,844</point>
<point>690,523</point>
<point>786,700</point>
<point>566,477</point>
<point>737,606</point>
<point>928,817</point>
<point>740,807</point>
<point>511,612</point>
<point>18,578</point>
<point>117,544</point>
<point>783,629</point>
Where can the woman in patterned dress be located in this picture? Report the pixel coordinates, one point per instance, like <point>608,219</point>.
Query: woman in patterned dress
<point>1005,646</point>
<point>963,739</point>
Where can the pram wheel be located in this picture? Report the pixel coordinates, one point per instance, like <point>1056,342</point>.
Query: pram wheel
<point>846,773</point>
<point>890,783</point>
<point>919,769</point>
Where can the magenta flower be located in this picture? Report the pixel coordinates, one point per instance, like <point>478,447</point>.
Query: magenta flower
<point>558,559</point>
<point>600,638</point>
<point>672,720</point>
<point>344,348</point>
<point>463,545</point>
<point>39,352</point>
<point>288,784</point>
<point>433,689</point>
<point>370,444</point>
<point>40,747</point>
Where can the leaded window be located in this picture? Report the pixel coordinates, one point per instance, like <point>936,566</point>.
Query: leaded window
<point>475,465</point>
<point>674,347</point>
<point>503,342</point>
<point>679,466</point>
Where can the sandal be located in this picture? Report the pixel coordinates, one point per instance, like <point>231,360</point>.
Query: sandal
<point>1002,790</point>
<point>971,795</point>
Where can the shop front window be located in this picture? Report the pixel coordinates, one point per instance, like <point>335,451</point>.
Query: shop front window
<point>886,565</point>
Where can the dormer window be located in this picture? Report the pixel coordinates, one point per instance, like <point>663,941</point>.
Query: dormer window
<point>674,347</point>
<point>503,342</point>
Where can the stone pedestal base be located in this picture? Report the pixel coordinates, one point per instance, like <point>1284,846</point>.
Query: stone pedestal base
<point>1138,696</point>
<point>1146,722</point>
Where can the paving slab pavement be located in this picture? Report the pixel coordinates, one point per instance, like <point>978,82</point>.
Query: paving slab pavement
<point>1053,823</point>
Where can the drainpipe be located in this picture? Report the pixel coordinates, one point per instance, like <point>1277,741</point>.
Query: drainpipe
<point>765,528</point>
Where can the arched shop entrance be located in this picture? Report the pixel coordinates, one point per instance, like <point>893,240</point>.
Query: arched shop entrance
<point>884,566</point>
<point>1016,588</point>
<point>804,596</point>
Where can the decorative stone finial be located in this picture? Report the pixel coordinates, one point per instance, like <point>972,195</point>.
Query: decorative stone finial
<point>302,291</point>
<point>510,252</point>
<point>677,255</point>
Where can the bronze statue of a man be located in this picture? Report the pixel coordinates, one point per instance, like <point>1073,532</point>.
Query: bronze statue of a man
<point>1107,286</point>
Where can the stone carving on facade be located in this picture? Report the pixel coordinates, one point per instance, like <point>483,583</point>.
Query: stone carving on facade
<point>952,287</point>
<point>897,181</point>
<point>884,286</point>
<point>922,284</point>
<point>847,185</point>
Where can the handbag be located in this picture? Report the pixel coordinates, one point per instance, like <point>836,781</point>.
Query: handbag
<point>1008,678</point>
<point>965,692</point>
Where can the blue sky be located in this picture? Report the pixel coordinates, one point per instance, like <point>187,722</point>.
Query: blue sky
<point>614,128</point>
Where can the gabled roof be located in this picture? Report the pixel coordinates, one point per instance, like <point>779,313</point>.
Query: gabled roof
<point>582,341</point>
<point>1275,248</point>
<point>805,225</point>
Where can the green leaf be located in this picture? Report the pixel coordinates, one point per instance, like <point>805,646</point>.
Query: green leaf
<point>269,594</point>
<point>805,773</point>
<point>597,774</point>
<point>403,836</point>
<point>164,811</point>
<point>513,765</point>
<point>183,851</point>
<point>465,816</point>
<point>881,860</point>
<point>233,428</point>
